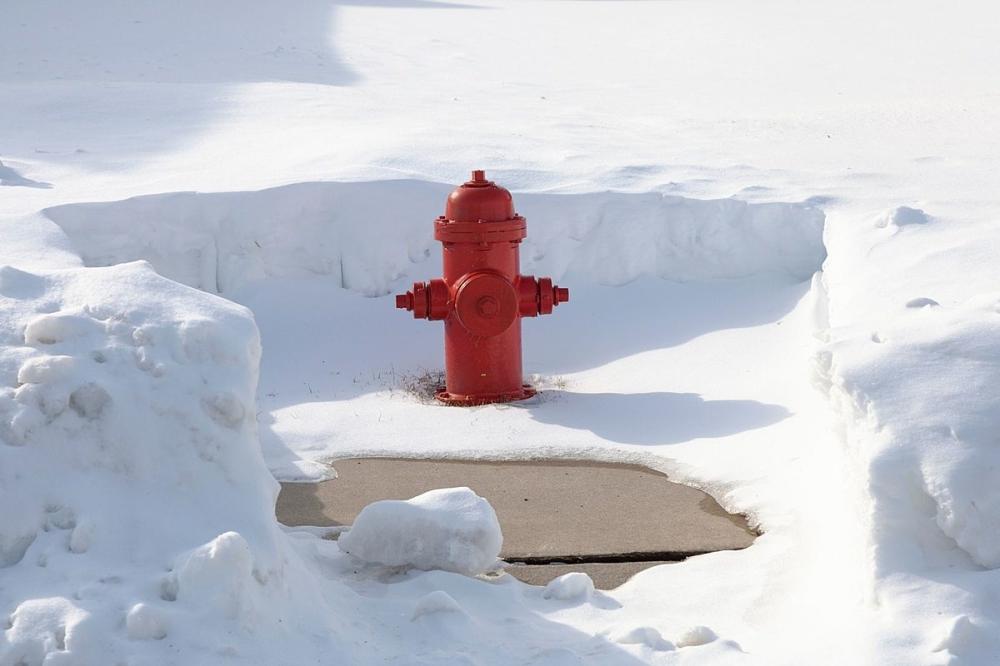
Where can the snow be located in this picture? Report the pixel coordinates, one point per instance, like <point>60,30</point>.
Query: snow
<point>450,529</point>
<point>574,586</point>
<point>647,636</point>
<point>114,351</point>
<point>368,235</point>
<point>685,169</point>
<point>437,601</point>
<point>146,623</point>
<point>698,635</point>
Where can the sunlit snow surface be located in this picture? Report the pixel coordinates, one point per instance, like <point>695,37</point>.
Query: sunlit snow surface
<point>685,167</point>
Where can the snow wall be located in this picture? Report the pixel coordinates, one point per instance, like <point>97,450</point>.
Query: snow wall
<point>368,235</point>
<point>911,362</point>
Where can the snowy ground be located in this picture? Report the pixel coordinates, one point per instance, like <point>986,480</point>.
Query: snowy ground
<point>779,222</point>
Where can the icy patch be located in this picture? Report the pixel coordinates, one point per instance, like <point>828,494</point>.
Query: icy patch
<point>451,529</point>
<point>369,235</point>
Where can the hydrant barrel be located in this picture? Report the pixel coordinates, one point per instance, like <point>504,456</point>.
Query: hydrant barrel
<point>482,296</point>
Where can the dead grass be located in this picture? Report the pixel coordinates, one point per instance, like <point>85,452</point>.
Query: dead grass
<point>548,382</point>
<point>422,385</point>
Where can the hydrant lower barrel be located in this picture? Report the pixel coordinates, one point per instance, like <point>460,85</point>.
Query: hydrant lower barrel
<point>482,296</point>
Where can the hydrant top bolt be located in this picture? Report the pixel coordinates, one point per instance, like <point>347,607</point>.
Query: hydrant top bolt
<point>479,180</point>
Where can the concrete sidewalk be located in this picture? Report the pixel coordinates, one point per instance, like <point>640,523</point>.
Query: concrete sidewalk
<point>604,518</point>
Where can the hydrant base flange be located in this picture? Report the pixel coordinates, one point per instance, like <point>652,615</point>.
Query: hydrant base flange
<point>526,391</point>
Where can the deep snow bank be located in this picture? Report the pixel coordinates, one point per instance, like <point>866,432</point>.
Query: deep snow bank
<point>912,367</point>
<point>932,438</point>
<point>128,446</point>
<point>368,235</point>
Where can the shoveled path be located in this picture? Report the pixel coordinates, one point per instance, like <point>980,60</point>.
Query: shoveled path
<point>607,519</point>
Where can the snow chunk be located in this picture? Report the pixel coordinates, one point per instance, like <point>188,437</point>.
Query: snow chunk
<point>437,601</point>
<point>50,329</point>
<point>451,529</point>
<point>39,629</point>
<point>922,302</point>
<point>574,586</point>
<point>145,622</point>
<point>81,537</point>
<point>14,545</point>
<point>60,518</point>
<point>697,635</point>
<point>89,400</point>
<point>901,217</point>
<point>225,409</point>
<point>958,632</point>
<point>217,573</point>
<point>45,369</point>
<point>647,636</point>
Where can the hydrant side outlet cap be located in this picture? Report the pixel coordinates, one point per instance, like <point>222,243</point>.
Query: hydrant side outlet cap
<point>486,303</point>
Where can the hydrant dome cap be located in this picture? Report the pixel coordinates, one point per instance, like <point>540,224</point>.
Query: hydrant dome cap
<point>479,200</point>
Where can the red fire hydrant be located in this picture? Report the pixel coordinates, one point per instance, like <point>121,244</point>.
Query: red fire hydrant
<point>482,296</point>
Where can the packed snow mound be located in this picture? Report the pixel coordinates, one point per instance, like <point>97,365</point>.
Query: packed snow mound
<point>437,601</point>
<point>370,236</point>
<point>128,445</point>
<point>949,429</point>
<point>451,529</point>
<point>574,586</point>
<point>647,636</point>
<point>697,635</point>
